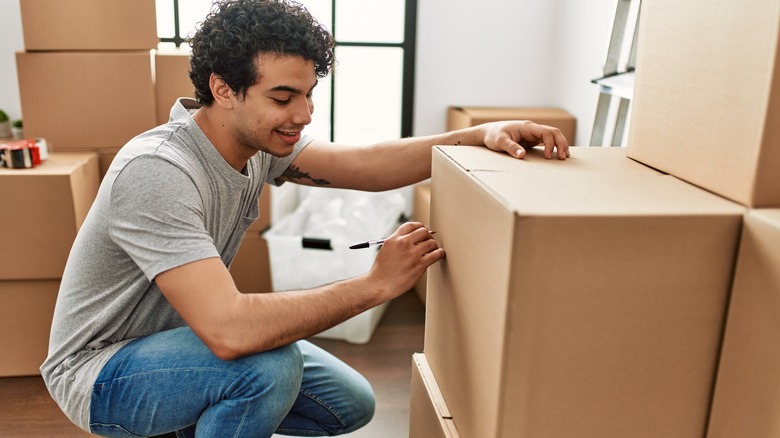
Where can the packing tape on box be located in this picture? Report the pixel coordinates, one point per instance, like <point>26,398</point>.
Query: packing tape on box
<point>22,154</point>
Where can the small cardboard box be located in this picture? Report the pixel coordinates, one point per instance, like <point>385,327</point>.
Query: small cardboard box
<point>575,302</point>
<point>172,81</point>
<point>26,309</point>
<point>86,100</point>
<point>89,25</point>
<point>43,208</point>
<point>459,117</point>
<point>251,268</point>
<point>707,96</point>
<point>428,416</point>
<point>747,392</point>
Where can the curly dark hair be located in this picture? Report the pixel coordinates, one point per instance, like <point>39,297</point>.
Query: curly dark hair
<point>236,31</point>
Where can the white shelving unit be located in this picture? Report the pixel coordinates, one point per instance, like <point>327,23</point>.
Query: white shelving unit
<point>616,85</point>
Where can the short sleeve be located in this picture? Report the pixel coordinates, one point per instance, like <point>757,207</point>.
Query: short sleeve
<point>280,164</point>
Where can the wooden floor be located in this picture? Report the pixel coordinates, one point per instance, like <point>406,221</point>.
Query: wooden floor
<point>26,410</point>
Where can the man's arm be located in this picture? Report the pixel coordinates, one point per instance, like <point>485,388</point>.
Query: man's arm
<point>233,324</point>
<point>398,163</point>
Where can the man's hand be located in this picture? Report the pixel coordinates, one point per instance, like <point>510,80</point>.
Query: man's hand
<point>514,137</point>
<point>404,257</point>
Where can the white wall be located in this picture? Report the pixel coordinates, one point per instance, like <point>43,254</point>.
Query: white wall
<point>579,51</point>
<point>491,52</point>
<point>513,53</point>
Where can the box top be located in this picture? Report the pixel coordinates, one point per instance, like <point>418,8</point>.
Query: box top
<point>583,159</point>
<point>488,112</point>
<point>89,24</point>
<point>57,164</point>
<point>592,186</point>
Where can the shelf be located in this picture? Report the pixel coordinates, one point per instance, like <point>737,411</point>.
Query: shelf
<point>620,85</point>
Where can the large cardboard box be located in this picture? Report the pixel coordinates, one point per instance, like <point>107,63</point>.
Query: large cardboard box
<point>465,116</point>
<point>707,96</point>
<point>575,302</point>
<point>747,392</point>
<point>86,100</point>
<point>42,209</point>
<point>89,25</point>
<point>26,309</point>
<point>429,416</point>
<point>251,268</point>
<point>172,81</point>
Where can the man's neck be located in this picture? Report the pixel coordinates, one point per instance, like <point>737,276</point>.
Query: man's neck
<point>216,127</point>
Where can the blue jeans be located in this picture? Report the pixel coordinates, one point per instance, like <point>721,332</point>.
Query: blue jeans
<point>170,381</point>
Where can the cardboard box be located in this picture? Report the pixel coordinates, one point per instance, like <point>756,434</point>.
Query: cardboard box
<point>575,303</point>
<point>429,416</point>
<point>463,117</point>
<point>89,24</point>
<point>583,159</point>
<point>26,310</point>
<point>421,199</point>
<point>251,269</point>
<point>747,392</point>
<point>264,209</point>
<point>172,81</point>
<point>43,208</point>
<point>108,99</point>
<point>707,96</point>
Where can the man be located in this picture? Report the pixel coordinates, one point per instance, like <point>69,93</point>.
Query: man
<point>150,334</point>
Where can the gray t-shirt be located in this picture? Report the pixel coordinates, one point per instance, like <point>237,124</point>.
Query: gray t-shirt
<point>169,198</point>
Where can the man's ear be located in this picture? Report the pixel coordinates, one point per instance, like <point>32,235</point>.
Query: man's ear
<point>221,91</point>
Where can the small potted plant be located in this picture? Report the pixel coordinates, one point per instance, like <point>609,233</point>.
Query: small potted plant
<point>17,130</point>
<point>5,125</point>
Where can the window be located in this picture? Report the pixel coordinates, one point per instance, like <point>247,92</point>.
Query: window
<point>369,95</point>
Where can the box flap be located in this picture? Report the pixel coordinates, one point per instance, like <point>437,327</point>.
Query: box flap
<point>582,159</point>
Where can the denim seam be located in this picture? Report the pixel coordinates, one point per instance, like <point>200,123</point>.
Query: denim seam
<point>323,404</point>
<point>165,370</point>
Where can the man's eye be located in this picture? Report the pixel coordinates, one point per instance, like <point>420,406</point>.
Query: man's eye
<point>282,101</point>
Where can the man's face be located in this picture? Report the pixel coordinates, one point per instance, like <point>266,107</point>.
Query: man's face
<point>275,110</point>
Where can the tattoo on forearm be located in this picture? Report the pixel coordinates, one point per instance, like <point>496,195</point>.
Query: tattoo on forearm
<point>457,143</point>
<point>294,173</point>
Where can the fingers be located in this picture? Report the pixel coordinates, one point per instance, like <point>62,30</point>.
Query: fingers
<point>554,140</point>
<point>410,227</point>
<point>417,237</point>
<point>514,138</point>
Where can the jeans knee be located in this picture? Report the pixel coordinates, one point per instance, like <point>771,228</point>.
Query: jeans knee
<point>362,406</point>
<point>273,376</point>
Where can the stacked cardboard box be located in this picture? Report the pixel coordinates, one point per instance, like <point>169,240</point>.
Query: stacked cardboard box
<point>747,393</point>
<point>612,304</point>
<point>708,114</point>
<point>459,117</point>
<point>431,417</point>
<point>118,85</point>
<point>43,209</point>
<point>465,116</point>
<point>86,77</point>
<point>578,298</point>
